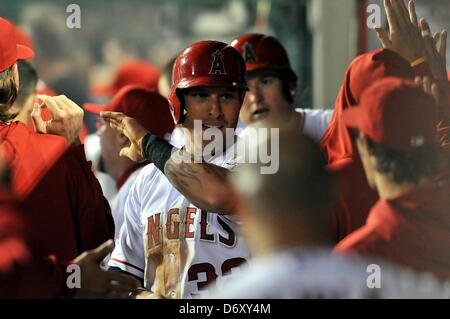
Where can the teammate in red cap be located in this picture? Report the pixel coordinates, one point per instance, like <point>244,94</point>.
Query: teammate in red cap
<point>399,148</point>
<point>343,160</point>
<point>273,86</point>
<point>154,114</point>
<point>56,187</point>
<point>175,247</point>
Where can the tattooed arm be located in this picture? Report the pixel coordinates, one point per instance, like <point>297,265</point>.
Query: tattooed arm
<point>204,185</point>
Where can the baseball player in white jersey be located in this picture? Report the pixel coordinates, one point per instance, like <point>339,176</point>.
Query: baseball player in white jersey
<point>166,240</point>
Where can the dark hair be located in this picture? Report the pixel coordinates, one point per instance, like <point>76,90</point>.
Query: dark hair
<point>281,74</point>
<point>405,166</point>
<point>28,81</point>
<point>8,94</point>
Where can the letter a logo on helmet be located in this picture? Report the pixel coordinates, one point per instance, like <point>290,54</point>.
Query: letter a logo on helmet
<point>217,66</point>
<point>249,55</point>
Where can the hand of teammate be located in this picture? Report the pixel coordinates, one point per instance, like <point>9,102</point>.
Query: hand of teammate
<point>67,117</point>
<point>405,37</point>
<point>96,283</point>
<point>441,96</point>
<point>131,128</point>
<point>436,50</point>
<point>144,294</point>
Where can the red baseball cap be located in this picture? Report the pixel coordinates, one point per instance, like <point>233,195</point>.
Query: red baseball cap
<point>23,38</point>
<point>151,109</point>
<point>396,113</point>
<point>137,72</point>
<point>10,50</point>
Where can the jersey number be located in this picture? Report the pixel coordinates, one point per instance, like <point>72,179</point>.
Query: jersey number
<point>210,272</point>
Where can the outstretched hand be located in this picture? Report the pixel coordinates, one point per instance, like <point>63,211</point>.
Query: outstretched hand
<point>102,284</point>
<point>436,50</point>
<point>440,96</point>
<point>130,128</point>
<point>405,36</point>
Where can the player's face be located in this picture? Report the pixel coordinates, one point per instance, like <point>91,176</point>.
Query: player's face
<point>215,106</point>
<point>265,98</point>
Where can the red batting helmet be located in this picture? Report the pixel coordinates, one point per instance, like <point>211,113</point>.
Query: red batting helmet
<point>265,52</point>
<point>205,63</point>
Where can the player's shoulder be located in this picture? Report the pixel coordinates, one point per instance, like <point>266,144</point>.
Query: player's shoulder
<point>318,274</point>
<point>147,175</point>
<point>18,132</point>
<point>149,187</point>
<point>362,240</point>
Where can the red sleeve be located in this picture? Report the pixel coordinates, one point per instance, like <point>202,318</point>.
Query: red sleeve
<point>361,242</point>
<point>93,214</point>
<point>22,274</point>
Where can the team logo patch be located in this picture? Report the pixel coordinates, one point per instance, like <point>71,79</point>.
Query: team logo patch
<point>217,66</point>
<point>249,53</point>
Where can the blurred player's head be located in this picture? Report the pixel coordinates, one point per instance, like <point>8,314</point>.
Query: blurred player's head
<point>11,51</point>
<point>397,138</point>
<point>153,113</point>
<point>291,206</point>
<point>26,97</point>
<point>272,82</point>
<point>208,85</point>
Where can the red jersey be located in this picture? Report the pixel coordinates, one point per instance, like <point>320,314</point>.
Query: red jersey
<point>58,191</point>
<point>23,275</point>
<point>412,230</point>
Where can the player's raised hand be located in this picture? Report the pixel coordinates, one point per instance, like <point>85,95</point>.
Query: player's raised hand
<point>439,95</point>
<point>405,37</point>
<point>96,283</point>
<point>436,50</point>
<point>130,128</point>
<point>67,117</point>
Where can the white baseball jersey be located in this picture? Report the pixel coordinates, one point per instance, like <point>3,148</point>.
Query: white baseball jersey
<point>296,273</point>
<point>93,154</point>
<point>316,122</point>
<point>175,247</point>
<point>118,202</point>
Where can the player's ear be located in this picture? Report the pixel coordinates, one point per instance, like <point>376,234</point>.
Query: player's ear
<point>16,74</point>
<point>361,144</point>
